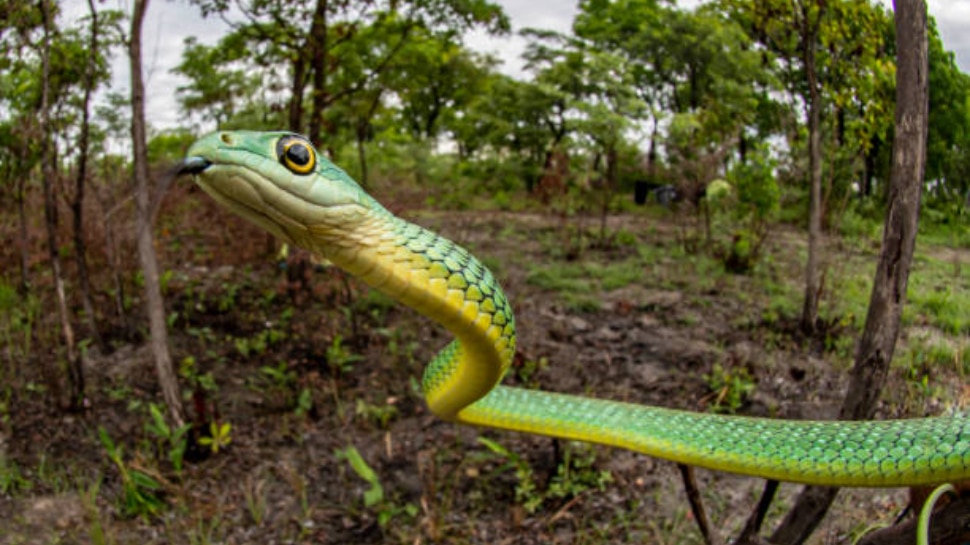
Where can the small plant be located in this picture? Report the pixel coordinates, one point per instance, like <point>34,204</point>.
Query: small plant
<point>278,382</point>
<point>339,359</point>
<point>304,403</point>
<point>279,377</point>
<point>730,388</point>
<point>379,416</point>
<point>220,435</point>
<point>258,344</point>
<point>255,500</point>
<point>574,475</point>
<point>140,491</point>
<point>17,318</point>
<point>527,370</point>
<point>374,497</point>
<point>197,381</point>
<point>12,480</point>
<point>172,441</point>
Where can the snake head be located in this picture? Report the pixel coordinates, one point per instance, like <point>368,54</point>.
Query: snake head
<point>278,181</point>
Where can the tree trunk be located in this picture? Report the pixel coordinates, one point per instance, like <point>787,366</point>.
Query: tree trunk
<point>295,110</point>
<point>362,126</point>
<point>869,169</point>
<point>48,175</point>
<point>899,239</point>
<point>810,307</point>
<point>22,235</point>
<point>319,56</point>
<point>77,205</point>
<point>146,249</point>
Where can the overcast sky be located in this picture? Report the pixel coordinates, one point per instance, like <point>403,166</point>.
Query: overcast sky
<point>169,23</point>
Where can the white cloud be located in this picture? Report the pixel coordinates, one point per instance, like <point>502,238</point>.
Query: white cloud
<point>953,22</point>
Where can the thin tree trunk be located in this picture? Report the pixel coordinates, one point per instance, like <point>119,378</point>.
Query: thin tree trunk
<point>810,307</point>
<point>80,250</point>
<point>362,151</point>
<point>146,249</point>
<point>319,55</point>
<point>22,234</point>
<point>899,239</point>
<point>295,110</point>
<point>48,175</point>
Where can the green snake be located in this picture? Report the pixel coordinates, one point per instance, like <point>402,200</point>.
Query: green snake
<point>280,182</point>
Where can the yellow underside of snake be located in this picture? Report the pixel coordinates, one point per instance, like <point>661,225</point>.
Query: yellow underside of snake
<point>278,181</point>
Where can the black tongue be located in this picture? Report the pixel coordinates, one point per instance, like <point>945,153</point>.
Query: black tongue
<point>191,165</point>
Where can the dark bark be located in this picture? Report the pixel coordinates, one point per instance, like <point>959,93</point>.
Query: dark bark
<point>809,37</point>
<point>696,505</point>
<point>295,110</point>
<point>318,65</point>
<point>899,238</point>
<point>902,216</point>
<point>22,235</point>
<point>77,204</point>
<point>869,168</point>
<point>48,177</point>
<point>749,534</point>
<point>155,305</point>
<point>363,130</point>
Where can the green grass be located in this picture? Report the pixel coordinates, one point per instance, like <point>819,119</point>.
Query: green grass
<point>579,284</point>
<point>939,296</point>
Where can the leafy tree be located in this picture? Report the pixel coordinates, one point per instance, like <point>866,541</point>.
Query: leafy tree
<point>827,54</point>
<point>948,141</point>
<point>437,78</point>
<point>326,47</point>
<point>217,86</point>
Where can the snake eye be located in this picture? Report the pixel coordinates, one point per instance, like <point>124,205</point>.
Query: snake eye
<point>296,154</point>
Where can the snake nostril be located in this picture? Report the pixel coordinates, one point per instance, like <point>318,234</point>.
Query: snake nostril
<point>226,139</point>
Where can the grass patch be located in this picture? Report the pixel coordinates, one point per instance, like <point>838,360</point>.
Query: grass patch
<point>938,296</point>
<point>579,284</point>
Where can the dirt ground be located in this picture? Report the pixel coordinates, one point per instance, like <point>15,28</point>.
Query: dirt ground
<point>261,333</point>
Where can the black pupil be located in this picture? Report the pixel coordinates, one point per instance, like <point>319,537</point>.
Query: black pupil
<point>298,154</point>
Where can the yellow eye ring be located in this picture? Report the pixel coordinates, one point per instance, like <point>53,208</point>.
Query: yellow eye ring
<point>296,154</point>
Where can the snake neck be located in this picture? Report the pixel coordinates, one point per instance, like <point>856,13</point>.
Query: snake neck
<point>440,280</point>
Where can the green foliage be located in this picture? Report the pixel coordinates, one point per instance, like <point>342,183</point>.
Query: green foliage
<point>730,388</point>
<point>574,475</point>
<point>140,491</point>
<point>169,146</point>
<point>189,372</point>
<point>378,415</point>
<point>374,497</point>
<point>528,369</point>
<point>171,441</point>
<point>946,309</point>
<point>256,345</point>
<point>756,201</point>
<point>218,87</point>
<point>579,283</point>
<point>304,403</point>
<point>18,316</point>
<point>12,479</point>
<point>339,358</point>
<point>220,436</point>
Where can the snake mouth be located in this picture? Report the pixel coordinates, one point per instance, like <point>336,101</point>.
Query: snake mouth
<point>192,165</point>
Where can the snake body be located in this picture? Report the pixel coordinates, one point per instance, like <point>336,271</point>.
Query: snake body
<point>278,181</point>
